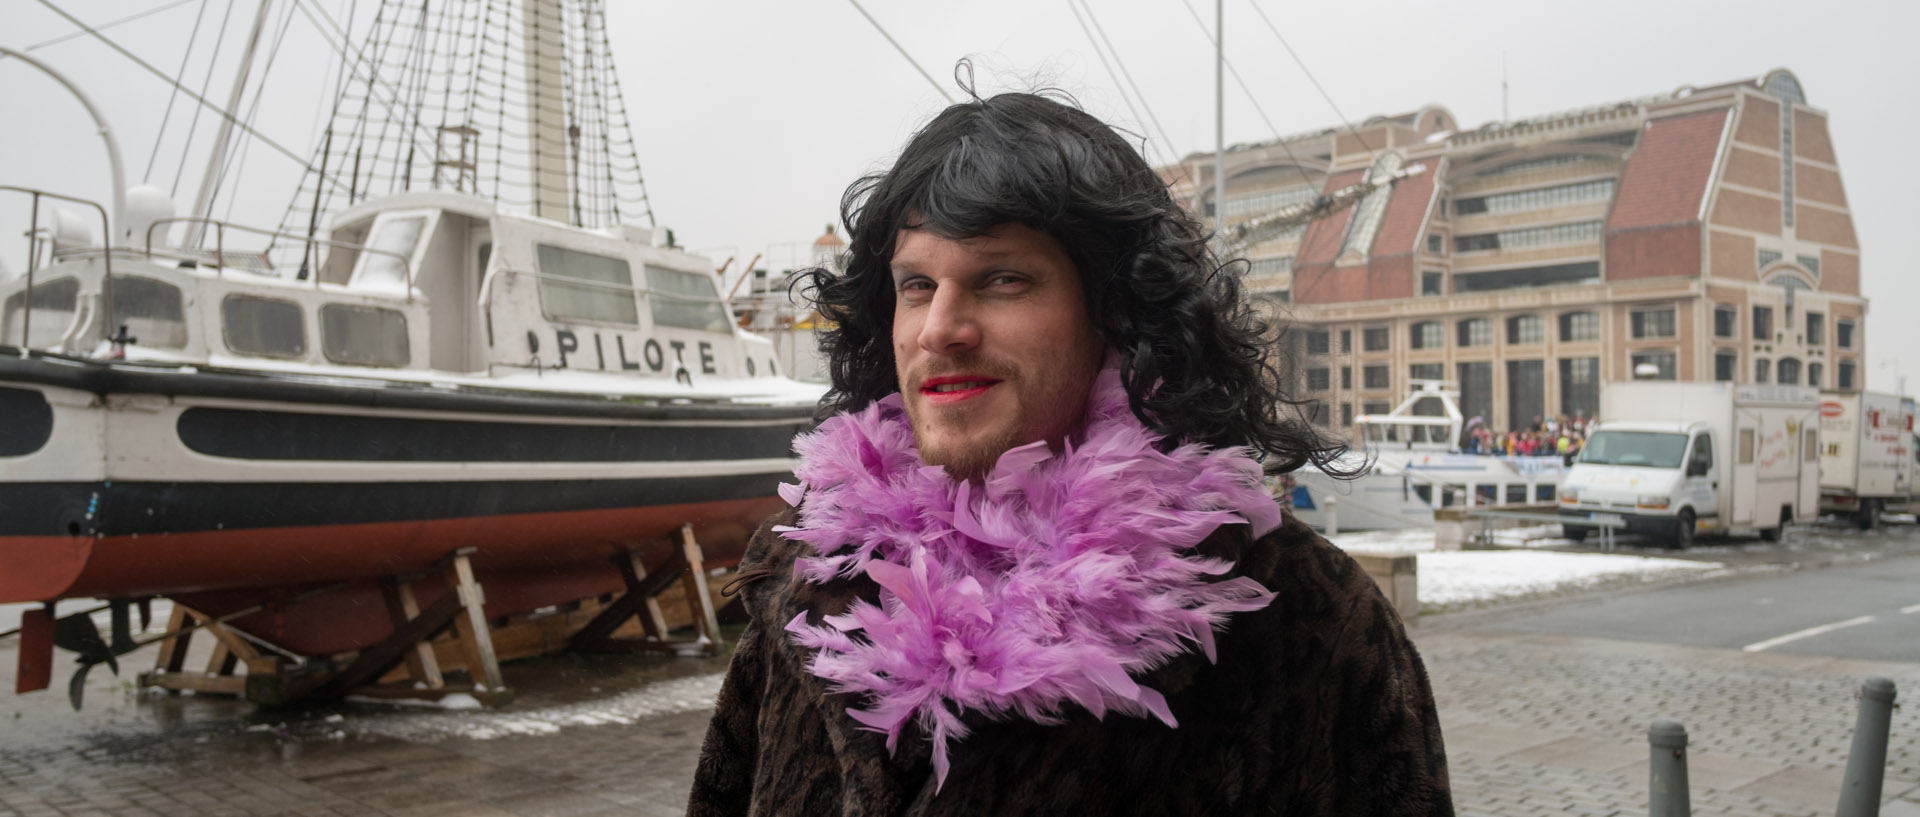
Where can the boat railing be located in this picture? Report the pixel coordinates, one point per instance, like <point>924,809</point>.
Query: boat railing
<point>33,255</point>
<point>221,259</point>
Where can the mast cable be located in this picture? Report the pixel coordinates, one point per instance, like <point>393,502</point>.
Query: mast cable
<point>1316,83</point>
<point>1115,78</point>
<point>196,97</point>
<point>1221,207</point>
<point>206,83</point>
<point>903,51</point>
<point>104,26</point>
<point>172,95</point>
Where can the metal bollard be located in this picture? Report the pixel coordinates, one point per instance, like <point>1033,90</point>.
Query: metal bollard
<point>1667,768</point>
<point>1867,760</point>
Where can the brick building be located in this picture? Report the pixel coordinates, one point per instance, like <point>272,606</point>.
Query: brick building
<point>1701,234</point>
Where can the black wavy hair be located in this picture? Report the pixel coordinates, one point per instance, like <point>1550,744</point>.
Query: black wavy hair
<point>1194,356</point>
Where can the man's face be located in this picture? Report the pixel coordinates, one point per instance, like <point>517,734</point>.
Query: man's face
<point>992,344</point>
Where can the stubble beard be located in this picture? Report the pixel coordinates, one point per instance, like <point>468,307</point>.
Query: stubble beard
<point>970,460</point>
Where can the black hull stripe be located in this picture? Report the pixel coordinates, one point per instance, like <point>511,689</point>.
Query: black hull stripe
<point>145,508</point>
<point>278,435</point>
<point>238,384</point>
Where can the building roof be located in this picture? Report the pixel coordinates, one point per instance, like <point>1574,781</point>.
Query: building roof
<point>1667,175</point>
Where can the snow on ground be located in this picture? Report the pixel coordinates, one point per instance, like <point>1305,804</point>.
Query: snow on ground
<point>1451,580</point>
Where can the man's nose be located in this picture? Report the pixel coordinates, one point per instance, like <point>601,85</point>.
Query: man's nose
<point>952,323</point>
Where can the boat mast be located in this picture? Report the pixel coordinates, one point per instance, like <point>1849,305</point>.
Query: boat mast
<point>547,110</point>
<point>1220,126</point>
<point>203,201</point>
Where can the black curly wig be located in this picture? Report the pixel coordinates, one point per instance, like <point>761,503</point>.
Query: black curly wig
<point>1193,355</point>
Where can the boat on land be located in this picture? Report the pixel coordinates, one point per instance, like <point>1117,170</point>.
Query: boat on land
<point>1409,463</point>
<point>449,343</point>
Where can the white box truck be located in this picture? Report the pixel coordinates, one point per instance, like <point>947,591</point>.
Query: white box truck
<point>1866,455</point>
<point>1671,458</point>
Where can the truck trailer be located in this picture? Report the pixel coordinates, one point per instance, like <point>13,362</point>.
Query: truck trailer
<point>1866,455</point>
<point>1669,459</point>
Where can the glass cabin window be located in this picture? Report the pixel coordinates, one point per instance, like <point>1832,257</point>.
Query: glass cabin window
<point>397,236</point>
<point>586,287</point>
<point>53,306</point>
<point>267,327</point>
<point>151,310</point>
<point>364,335</point>
<point>685,299</point>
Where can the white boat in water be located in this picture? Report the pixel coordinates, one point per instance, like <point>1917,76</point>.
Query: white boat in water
<point>1410,463</point>
<point>448,342</point>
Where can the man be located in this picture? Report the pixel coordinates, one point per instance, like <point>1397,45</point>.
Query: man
<point>1031,568</point>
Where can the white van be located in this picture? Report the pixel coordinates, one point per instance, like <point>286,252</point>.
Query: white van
<point>1670,459</point>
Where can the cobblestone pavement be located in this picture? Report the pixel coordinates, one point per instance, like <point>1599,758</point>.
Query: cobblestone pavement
<point>1535,725</point>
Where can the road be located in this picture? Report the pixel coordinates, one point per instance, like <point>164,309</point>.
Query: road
<point>1868,611</point>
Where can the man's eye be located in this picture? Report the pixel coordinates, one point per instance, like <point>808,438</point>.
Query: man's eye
<point>1005,279</point>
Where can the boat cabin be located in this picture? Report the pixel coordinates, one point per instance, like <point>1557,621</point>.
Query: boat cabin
<point>416,281</point>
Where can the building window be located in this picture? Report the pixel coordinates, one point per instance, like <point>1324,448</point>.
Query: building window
<point>1661,360</point>
<point>1814,372</point>
<point>1843,376</point>
<point>1374,377</point>
<point>1319,378</point>
<point>1579,326</point>
<point>1426,335</point>
<point>1427,371</point>
<point>1375,339</point>
<point>1476,332</point>
<point>1653,323</point>
<point>1539,198</point>
<point>1725,363</point>
<point>1346,341</point>
<point>1580,386</point>
<point>1346,414</point>
<point>1726,321</point>
<point>1763,323</point>
<point>1476,389</point>
<point>1810,263</point>
<point>1526,391</point>
<point>1816,329</point>
<point>1375,407</point>
<point>1317,342</point>
<point>1270,266</point>
<point>1765,258</point>
<point>1843,334</point>
<point>1762,370</point>
<point>1267,201</point>
<point>1433,283</point>
<point>1317,412</point>
<point>1436,244</point>
<point>1552,236</point>
<point>1526,329</point>
<point>1789,372</point>
<point>1346,377</point>
<point>1367,212</point>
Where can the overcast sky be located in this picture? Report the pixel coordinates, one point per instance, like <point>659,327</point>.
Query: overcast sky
<point>752,117</point>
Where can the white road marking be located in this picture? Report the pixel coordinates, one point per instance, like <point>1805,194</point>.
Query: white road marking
<point>1806,633</point>
<point>1910,609</point>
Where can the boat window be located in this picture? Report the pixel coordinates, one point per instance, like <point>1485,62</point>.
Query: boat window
<point>1544,492</point>
<point>398,235</point>
<point>268,327</point>
<point>1517,494</point>
<point>53,305</point>
<point>151,310</point>
<point>586,287</point>
<point>364,335</point>
<point>684,299</point>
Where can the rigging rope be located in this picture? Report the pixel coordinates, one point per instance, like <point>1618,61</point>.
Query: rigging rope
<point>172,95</point>
<point>206,82</point>
<point>1154,120</point>
<point>1220,207</point>
<point>1304,70</point>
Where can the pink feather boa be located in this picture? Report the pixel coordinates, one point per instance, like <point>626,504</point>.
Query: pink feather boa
<point>1049,582</point>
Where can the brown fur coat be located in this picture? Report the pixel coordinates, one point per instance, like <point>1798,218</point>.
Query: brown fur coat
<point>1318,706</point>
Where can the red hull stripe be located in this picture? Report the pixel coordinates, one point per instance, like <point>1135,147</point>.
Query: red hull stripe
<point>38,568</point>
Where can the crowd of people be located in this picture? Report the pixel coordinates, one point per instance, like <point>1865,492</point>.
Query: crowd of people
<point>1546,437</point>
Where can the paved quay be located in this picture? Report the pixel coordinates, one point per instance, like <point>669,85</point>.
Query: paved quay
<point>1535,725</point>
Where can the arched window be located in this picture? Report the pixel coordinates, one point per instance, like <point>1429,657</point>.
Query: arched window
<point>1427,335</point>
<point>1476,332</point>
<point>1789,371</point>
